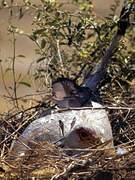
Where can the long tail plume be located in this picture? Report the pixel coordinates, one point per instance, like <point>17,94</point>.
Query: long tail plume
<point>93,79</point>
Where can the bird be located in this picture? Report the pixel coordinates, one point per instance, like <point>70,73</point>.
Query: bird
<point>72,127</point>
<point>79,119</point>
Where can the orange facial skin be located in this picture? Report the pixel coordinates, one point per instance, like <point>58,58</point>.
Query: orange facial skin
<point>86,137</point>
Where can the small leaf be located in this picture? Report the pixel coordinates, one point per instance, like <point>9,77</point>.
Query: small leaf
<point>20,13</point>
<point>10,87</point>
<point>33,37</point>
<point>60,34</point>
<point>40,59</point>
<point>10,12</point>
<point>8,69</point>
<point>26,1</point>
<point>69,21</point>
<point>38,15</point>
<point>4,3</point>
<point>39,31</point>
<point>21,56</point>
<point>115,18</point>
<point>8,59</point>
<point>24,83</point>
<point>12,1</point>
<point>43,43</point>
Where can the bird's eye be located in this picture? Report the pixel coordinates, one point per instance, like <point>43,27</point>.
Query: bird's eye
<point>86,136</point>
<point>83,134</point>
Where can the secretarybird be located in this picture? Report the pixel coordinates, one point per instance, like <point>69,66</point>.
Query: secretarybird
<point>78,120</point>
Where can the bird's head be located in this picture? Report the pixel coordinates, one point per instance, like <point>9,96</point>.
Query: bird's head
<point>79,138</point>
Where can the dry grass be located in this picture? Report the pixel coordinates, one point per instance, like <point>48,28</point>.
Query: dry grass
<point>46,161</point>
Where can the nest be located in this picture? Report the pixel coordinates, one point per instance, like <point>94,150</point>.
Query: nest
<point>47,161</point>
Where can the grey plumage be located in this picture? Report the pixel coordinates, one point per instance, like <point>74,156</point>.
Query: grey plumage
<point>91,121</point>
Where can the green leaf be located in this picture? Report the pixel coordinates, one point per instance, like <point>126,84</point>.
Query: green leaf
<point>24,83</point>
<point>10,87</point>
<point>12,1</point>
<point>38,15</point>
<point>40,59</point>
<point>3,3</point>
<point>8,69</point>
<point>43,43</point>
<point>33,37</point>
<point>60,34</point>
<point>10,12</point>
<point>39,31</point>
<point>8,59</point>
<point>21,56</point>
<point>69,21</point>
<point>27,1</point>
<point>20,13</point>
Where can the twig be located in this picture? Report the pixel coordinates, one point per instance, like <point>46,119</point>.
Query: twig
<point>13,67</point>
<point>59,54</point>
<point>3,80</point>
<point>28,95</point>
<point>95,108</point>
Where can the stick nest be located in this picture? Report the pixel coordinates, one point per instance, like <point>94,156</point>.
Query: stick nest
<point>47,161</point>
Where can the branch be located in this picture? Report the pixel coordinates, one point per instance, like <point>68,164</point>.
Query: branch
<point>94,108</point>
<point>13,67</point>
<point>92,81</point>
